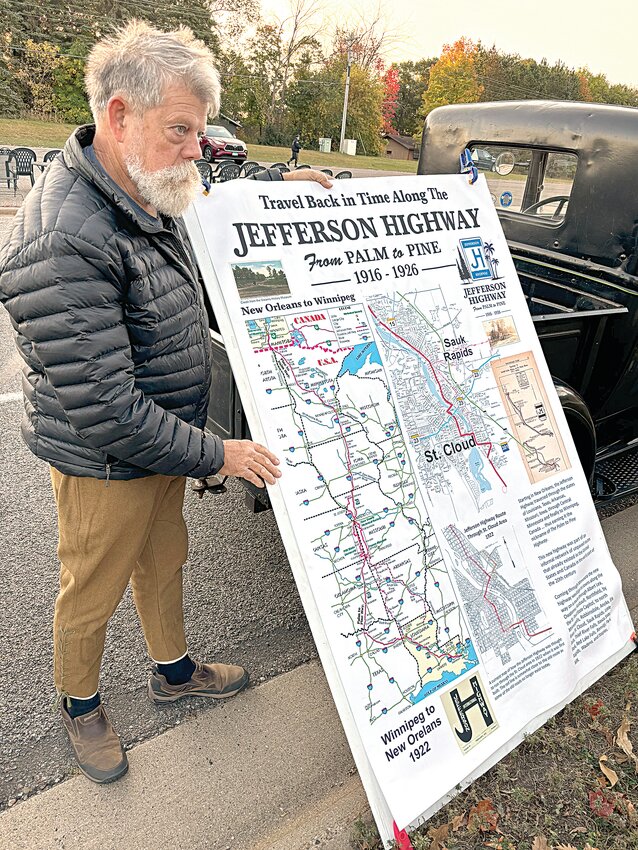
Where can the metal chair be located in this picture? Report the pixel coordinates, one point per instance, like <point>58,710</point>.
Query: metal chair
<point>20,163</point>
<point>205,169</point>
<point>343,175</point>
<point>51,155</point>
<point>249,168</point>
<point>299,167</point>
<point>227,171</point>
<point>280,165</point>
<point>327,171</point>
<point>4,167</point>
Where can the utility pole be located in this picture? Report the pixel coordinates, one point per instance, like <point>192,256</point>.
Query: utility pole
<point>345,104</point>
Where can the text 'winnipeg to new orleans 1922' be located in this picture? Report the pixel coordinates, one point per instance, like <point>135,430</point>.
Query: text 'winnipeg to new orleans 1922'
<point>268,234</point>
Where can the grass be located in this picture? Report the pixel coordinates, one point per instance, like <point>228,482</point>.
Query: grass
<point>551,786</point>
<point>17,131</point>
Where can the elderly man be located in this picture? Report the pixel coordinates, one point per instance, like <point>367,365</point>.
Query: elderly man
<point>102,289</point>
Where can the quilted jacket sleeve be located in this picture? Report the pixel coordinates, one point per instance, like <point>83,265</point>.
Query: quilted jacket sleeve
<point>65,297</point>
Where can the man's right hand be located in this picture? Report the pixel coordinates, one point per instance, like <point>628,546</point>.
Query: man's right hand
<point>252,461</point>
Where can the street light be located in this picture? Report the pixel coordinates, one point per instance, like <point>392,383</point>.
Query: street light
<point>345,104</point>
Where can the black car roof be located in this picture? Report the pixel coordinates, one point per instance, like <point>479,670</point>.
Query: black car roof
<point>602,217</point>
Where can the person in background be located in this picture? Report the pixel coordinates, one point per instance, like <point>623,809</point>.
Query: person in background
<point>295,147</point>
<point>102,289</point>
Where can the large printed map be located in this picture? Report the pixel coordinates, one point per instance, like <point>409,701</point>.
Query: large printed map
<point>394,604</point>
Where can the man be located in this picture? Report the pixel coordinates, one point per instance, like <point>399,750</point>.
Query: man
<point>295,147</point>
<point>102,289</point>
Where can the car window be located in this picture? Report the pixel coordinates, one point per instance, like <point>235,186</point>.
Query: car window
<point>215,130</point>
<point>527,181</point>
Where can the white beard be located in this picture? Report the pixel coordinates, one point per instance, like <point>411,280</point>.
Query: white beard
<point>170,190</point>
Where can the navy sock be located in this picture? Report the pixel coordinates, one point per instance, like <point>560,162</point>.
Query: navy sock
<point>78,707</point>
<point>179,671</point>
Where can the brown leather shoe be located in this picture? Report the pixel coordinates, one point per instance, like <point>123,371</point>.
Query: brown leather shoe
<point>96,745</point>
<point>218,681</point>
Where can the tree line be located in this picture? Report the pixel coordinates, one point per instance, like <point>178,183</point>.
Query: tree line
<point>278,78</point>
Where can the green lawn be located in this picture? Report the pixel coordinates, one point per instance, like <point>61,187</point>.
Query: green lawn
<point>45,134</point>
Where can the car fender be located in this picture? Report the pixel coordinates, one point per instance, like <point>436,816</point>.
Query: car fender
<point>580,424</point>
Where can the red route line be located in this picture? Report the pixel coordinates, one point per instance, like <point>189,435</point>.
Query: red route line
<point>449,403</point>
<point>357,528</point>
<point>520,622</point>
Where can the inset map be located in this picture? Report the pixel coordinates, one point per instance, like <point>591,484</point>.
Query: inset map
<point>499,599</point>
<point>530,416</point>
<point>255,280</point>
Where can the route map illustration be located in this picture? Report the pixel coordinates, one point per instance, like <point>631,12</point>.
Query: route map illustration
<point>374,550</point>
<point>530,416</point>
<point>447,396</point>
<point>498,597</point>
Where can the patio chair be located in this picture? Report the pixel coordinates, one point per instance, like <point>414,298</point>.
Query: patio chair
<point>20,163</point>
<point>343,175</point>
<point>250,167</point>
<point>4,166</point>
<point>280,166</point>
<point>299,167</point>
<point>227,171</point>
<point>205,169</point>
<point>51,155</point>
<point>327,171</point>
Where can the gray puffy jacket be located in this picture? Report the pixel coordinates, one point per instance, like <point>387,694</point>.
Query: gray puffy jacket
<point>111,324</point>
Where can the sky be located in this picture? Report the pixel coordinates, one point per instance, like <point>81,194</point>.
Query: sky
<point>599,36</point>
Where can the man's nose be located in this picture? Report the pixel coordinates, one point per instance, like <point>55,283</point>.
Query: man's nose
<point>192,149</point>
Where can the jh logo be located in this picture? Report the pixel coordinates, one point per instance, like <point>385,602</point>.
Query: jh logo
<point>469,713</point>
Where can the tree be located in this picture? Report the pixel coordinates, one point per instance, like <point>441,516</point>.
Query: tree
<point>453,78</point>
<point>413,81</point>
<point>390,99</point>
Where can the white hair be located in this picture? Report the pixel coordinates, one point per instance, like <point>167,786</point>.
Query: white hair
<point>139,62</point>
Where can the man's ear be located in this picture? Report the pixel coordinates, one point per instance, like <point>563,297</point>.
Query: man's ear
<point>118,116</point>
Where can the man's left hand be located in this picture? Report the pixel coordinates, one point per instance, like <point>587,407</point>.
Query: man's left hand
<point>309,174</point>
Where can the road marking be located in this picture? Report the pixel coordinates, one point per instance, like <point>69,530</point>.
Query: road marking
<point>7,397</point>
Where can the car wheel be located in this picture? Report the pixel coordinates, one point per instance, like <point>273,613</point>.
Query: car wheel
<point>207,153</point>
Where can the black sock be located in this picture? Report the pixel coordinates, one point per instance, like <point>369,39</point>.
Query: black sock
<point>177,672</point>
<point>78,707</point>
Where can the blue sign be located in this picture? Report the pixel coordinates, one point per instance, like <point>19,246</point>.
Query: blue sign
<point>475,260</point>
<point>506,199</point>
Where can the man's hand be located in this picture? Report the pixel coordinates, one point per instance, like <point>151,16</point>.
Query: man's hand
<point>309,174</point>
<point>251,461</point>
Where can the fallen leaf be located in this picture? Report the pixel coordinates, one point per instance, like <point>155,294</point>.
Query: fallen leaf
<point>565,847</point>
<point>594,708</point>
<point>579,829</point>
<point>458,822</point>
<point>483,816</point>
<point>540,843</point>
<point>631,810</point>
<point>589,847</point>
<point>570,731</point>
<point>600,805</point>
<point>611,775</point>
<point>622,741</point>
<point>620,758</point>
<point>438,836</point>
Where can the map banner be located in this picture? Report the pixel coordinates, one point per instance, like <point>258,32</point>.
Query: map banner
<point>432,504</point>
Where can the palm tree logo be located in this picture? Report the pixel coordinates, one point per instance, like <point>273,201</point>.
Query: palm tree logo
<point>491,259</point>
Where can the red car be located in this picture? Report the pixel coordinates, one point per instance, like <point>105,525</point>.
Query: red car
<point>218,143</point>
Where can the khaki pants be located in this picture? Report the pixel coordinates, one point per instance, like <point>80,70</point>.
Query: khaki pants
<point>110,534</point>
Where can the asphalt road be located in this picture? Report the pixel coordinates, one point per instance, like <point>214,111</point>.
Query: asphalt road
<point>240,599</point>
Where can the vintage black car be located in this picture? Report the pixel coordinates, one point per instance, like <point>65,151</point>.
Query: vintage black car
<point>564,179</point>
<point>565,185</point>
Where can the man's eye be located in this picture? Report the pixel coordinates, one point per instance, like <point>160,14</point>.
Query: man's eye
<point>180,130</point>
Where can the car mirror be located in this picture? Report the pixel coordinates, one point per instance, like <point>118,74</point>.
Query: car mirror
<point>505,163</point>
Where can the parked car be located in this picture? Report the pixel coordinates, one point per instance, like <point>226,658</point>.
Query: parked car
<point>218,144</point>
<point>564,181</point>
<point>483,159</point>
